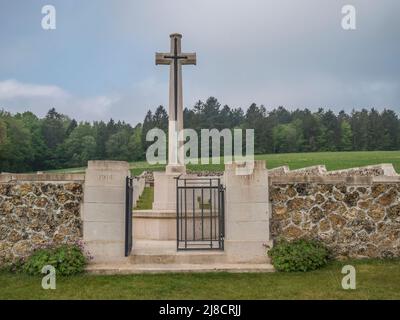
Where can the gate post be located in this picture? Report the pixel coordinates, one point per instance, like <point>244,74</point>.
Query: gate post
<point>247,213</point>
<point>104,209</point>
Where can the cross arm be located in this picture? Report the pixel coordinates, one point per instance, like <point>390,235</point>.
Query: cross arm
<point>160,58</point>
<point>190,58</point>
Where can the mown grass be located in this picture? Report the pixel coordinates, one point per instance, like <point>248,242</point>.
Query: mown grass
<point>332,160</point>
<point>145,201</point>
<point>375,280</point>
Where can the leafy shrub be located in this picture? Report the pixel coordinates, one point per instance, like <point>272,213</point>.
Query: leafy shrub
<point>66,259</point>
<point>299,255</point>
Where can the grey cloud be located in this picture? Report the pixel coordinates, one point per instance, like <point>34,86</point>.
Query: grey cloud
<point>291,53</point>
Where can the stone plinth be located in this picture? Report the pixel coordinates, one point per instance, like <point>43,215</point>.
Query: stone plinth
<point>154,225</point>
<point>175,169</point>
<point>165,190</point>
<point>104,209</point>
<point>247,213</point>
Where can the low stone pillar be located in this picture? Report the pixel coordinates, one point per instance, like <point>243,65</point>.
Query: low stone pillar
<point>165,190</point>
<point>247,213</point>
<point>104,209</point>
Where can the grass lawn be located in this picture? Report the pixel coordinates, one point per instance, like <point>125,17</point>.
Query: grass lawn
<point>375,280</point>
<point>145,201</point>
<point>332,160</point>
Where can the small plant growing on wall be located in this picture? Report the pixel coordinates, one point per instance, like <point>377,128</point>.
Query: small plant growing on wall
<point>299,255</point>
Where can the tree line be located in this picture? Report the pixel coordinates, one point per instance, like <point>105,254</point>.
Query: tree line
<point>30,143</point>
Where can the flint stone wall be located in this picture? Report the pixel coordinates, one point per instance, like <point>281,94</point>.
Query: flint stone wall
<point>384,169</point>
<point>42,210</point>
<point>355,212</point>
<point>355,217</point>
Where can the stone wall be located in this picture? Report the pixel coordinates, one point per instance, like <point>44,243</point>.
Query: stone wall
<point>355,212</point>
<point>38,210</point>
<point>354,216</point>
<point>384,169</point>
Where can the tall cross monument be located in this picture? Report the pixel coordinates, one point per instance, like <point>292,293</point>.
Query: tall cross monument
<point>175,59</point>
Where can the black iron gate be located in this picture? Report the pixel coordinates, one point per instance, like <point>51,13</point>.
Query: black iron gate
<point>128,215</point>
<point>200,208</point>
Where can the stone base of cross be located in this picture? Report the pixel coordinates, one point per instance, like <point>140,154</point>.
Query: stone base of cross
<point>173,169</point>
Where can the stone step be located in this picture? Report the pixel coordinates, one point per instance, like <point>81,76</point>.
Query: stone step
<point>165,252</point>
<point>126,268</point>
<point>154,246</point>
<point>186,257</point>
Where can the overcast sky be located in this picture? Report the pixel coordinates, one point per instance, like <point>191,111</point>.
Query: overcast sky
<point>99,62</point>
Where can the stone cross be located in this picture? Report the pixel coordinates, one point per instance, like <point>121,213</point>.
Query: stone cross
<point>175,59</point>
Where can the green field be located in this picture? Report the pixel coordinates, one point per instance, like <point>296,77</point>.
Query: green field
<point>374,280</point>
<point>146,199</point>
<point>332,160</point>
